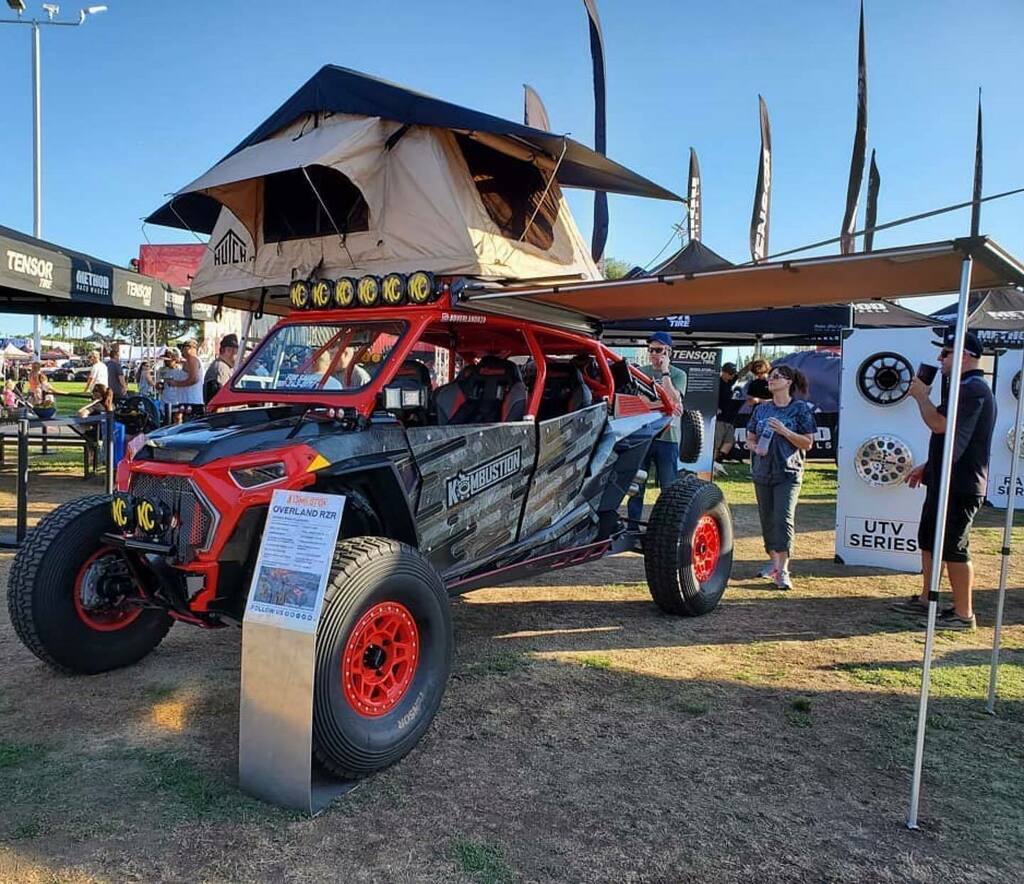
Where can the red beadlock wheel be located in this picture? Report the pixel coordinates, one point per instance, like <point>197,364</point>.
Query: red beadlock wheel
<point>380,658</point>
<point>706,546</point>
<point>93,608</point>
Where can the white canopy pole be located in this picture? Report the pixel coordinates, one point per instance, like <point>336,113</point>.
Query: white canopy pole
<point>1011,506</point>
<point>945,477</point>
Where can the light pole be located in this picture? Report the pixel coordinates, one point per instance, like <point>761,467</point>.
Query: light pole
<point>52,10</point>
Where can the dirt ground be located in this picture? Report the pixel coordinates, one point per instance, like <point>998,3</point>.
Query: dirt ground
<point>584,737</point>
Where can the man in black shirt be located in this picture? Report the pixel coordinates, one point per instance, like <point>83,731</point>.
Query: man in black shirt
<point>974,424</point>
<point>725,418</point>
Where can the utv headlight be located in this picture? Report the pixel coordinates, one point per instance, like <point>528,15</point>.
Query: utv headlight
<point>368,292</point>
<point>345,292</point>
<point>298,294</point>
<point>393,289</point>
<point>420,287</point>
<point>264,474</point>
<point>321,294</point>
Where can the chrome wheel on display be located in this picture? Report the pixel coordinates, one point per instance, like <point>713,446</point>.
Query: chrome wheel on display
<point>1015,386</point>
<point>1010,441</point>
<point>882,461</point>
<point>884,378</point>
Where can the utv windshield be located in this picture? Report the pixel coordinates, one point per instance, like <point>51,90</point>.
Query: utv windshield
<point>322,357</point>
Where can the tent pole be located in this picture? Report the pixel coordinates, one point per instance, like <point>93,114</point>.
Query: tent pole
<point>1004,565</point>
<point>945,476</point>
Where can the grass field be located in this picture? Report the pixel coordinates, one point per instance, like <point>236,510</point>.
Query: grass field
<point>584,737</point>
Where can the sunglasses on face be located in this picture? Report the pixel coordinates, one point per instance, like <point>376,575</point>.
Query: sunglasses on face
<point>944,353</point>
<point>656,350</point>
<point>779,374</point>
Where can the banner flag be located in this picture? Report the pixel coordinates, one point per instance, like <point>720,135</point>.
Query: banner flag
<point>871,212</point>
<point>693,211</point>
<point>535,114</point>
<point>976,207</point>
<point>860,141</point>
<point>763,193</point>
<point>600,234</point>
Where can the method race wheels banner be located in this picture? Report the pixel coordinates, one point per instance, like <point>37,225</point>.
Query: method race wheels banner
<point>881,438</point>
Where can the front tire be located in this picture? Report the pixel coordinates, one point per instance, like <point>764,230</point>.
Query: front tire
<point>71,598</point>
<point>688,547</point>
<point>383,656</point>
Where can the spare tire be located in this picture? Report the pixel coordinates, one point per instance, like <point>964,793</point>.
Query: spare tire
<point>691,435</point>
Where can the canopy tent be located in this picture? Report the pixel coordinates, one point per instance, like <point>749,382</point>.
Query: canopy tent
<point>997,315</point>
<point>11,353</point>
<point>40,277</point>
<point>353,176</point>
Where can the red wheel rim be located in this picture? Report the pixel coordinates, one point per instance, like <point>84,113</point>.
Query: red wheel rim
<point>379,660</point>
<point>102,619</point>
<point>706,548</point>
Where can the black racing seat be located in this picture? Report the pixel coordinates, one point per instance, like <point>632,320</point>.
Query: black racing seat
<point>564,391</point>
<point>492,391</point>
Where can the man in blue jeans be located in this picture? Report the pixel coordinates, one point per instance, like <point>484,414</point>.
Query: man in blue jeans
<point>664,450</point>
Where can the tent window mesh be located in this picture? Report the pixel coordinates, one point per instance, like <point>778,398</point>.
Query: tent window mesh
<point>292,210</point>
<point>510,190</point>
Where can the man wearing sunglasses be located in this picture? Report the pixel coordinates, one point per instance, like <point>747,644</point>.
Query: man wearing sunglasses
<point>664,451</point>
<point>974,425</point>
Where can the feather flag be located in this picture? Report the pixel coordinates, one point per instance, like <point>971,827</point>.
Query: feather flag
<point>860,142</point>
<point>976,207</point>
<point>871,212</point>
<point>693,211</point>
<point>534,113</point>
<point>763,192</point>
<point>600,234</point>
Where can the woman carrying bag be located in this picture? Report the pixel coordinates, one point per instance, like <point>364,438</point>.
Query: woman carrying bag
<point>780,432</point>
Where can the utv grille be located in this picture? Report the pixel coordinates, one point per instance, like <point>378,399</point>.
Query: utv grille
<point>196,518</point>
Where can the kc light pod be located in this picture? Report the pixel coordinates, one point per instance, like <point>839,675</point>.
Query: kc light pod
<point>884,378</point>
<point>321,294</point>
<point>393,289</point>
<point>122,511</point>
<point>298,294</point>
<point>345,292</point>
<point>421,287</point>
<point>883,460</point>
<point>368,291</point>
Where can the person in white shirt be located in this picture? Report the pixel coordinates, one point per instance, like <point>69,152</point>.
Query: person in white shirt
<point>97,372</point>
<point>190,388</point>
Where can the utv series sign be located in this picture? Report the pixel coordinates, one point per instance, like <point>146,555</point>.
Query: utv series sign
<point>465,485</point>
<point>230,250</point>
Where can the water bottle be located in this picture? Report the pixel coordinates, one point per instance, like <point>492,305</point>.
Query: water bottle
<point>763,441</point>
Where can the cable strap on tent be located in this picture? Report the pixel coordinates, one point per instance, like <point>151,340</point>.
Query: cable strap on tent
<point>544,196</point>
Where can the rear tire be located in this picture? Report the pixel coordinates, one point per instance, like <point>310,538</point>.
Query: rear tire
<point>688,548</point>
<point>383,656</point>
<point>53,601</point>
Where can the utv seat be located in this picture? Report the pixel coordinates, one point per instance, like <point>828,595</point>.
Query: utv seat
<point>414,375</point>
<point>564,391</point>
<point>492,391</point>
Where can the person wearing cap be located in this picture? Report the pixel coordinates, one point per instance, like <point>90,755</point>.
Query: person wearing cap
<point>664,450</point>
<point>974,425</point>
<point>221,369</point>
<point>170,371</point>
<point>725,416</point>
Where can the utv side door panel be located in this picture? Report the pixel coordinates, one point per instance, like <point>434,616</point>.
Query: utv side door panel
<point>564,451</point>
<point>473,485</point>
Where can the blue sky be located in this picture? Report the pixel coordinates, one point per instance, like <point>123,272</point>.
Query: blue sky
<point>148,95</point>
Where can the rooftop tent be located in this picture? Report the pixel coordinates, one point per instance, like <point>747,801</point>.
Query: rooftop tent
<point>354,175</point>
<point>996,315</point>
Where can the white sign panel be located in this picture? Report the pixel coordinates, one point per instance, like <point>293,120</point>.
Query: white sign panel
<point>881,436</point>
<point>294,560</point>
<point>1008,366</point>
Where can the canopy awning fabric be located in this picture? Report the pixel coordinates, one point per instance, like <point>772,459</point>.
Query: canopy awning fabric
<point>40,277</point>
<point>338,90</point>
<point>909,271</point>
<point>997,316</point>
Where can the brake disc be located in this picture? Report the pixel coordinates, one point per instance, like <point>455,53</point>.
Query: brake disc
<point>884,460</point>
<point>884,378</point>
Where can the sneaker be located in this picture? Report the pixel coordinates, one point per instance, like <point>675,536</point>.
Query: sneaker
<point>768,572</point>
<point>720,470</point>
<point>782,580</point>
<point>912,605</point>
<point>949,620</point>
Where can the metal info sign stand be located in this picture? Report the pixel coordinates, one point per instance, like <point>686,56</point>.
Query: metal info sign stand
<point>275,726</point>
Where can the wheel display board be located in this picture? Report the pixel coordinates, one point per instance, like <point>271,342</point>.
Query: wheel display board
<point>1005,388</point>
<point>881,438</point>
<point>703,367</point>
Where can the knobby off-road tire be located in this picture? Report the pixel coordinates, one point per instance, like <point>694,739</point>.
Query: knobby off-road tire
<point>45,601</point>
<point>383,656</point>
<point>691,436</point>
<point>688,547</point>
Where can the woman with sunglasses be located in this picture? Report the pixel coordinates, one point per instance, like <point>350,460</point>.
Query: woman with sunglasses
<point>780,432</point>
